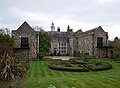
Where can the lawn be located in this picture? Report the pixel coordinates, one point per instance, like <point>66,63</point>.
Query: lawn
<point>40,76</point>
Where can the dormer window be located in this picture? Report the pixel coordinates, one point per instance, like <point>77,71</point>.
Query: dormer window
<point>24,42</point>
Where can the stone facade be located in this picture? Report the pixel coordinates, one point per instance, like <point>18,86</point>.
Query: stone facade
<point>26,42</point>
<point>93,42</point>
<point>60,41</point>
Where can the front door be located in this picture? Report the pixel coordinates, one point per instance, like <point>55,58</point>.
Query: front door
<point>55,52</point>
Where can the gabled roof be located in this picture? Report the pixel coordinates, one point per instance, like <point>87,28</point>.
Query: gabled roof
<point>95,29</point>
<point>60,36</point>
<point>79,31</point>
<point>25,27</point>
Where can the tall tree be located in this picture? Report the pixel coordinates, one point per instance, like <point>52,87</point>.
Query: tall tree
<point>116,44</point>
<point>6,39</point>
<point>44,44</point>
<point>6,43</point>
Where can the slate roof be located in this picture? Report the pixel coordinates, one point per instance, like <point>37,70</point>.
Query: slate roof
<point>95,29</point>
<point>60,36</point>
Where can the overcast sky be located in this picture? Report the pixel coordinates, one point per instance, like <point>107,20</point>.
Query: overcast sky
<point>79,14</point>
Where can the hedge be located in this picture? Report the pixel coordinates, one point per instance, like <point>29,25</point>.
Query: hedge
<point>73,69</point>
<point>79,65</point>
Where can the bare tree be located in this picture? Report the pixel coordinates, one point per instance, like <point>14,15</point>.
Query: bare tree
<point>5,31</point>
<point>37,28</point>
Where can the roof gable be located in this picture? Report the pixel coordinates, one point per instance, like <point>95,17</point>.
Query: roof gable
<point>78,32</point>
<point>100,29</point>
<point>25,28</point>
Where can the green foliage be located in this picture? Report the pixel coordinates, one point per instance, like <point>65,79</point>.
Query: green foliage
<point>6,44</point>
<point>7,40</point>
<point>116,45</point>
<point>11,68</point>
<point>80,65</point>
<point>116,54</point>
<point>45,44</point>
<point>99,66</point>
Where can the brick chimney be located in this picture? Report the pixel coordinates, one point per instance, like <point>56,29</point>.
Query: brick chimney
<point>58,29</point>
<point>68,29</point>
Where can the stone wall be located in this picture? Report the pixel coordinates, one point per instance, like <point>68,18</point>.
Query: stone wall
<point>22,54</point>
<point>26,31</point>
<point>86,42</point>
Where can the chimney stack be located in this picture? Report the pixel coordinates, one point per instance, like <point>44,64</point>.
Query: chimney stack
<point>58,30</point>
<point>68,29</point>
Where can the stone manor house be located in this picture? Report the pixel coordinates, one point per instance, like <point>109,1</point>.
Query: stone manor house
<point>93,42</point>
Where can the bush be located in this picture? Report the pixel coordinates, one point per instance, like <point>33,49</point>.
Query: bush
<point>79,65</point>
<point>80,61</point>
<point>10,68</point>
<point>6,44</point>
<point>99,66</point>
<point>73,69</point>
<point>116,55</point>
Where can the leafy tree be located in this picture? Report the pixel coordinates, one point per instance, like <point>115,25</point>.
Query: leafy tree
<point>6,44</point>
<point>44,44</point>
<point>116,44</point>
<point>6,40</point>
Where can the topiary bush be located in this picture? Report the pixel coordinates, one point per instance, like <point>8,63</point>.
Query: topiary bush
<point>99,66</point>
<point>73,69</point>
<point>79,65</point>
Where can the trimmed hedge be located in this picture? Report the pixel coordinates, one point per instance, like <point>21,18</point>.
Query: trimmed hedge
<point>99,67</point>
<point>73,69</point>
<point>79,65</point>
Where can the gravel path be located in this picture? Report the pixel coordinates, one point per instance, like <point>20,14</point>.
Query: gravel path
<point>59,57</point>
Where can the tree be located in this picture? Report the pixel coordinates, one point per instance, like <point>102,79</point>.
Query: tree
<point>116,44</point>
<point>6,44</point>
<point>5,31</point>
<point>44,44</point>
<point>37,28</point>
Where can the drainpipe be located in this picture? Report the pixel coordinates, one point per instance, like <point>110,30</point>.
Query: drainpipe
<point>93,44</point>
<point>106,44</point>
<point>37,41</point>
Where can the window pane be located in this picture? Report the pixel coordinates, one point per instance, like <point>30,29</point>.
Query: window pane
<point>99,41</point>
<point>24,42</point>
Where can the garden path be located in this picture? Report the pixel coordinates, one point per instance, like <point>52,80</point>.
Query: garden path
<point>59,57</point>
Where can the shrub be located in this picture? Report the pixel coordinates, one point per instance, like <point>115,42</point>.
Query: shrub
<point>11,68</point>
<point>116,55</point>
<point>80,61</point>
<point>73,69</point>
<point>79,65</point>
<point>6,44</point>
<point>99,66</point>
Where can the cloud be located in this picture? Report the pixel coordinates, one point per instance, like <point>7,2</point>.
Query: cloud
<point>105,1</point>
<point>79,14</point>
<point>113,31</point>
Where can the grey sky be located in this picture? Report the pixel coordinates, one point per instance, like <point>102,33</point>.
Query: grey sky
<point>79,14</point>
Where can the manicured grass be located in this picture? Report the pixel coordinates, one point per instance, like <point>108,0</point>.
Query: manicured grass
<point>40,76</point>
